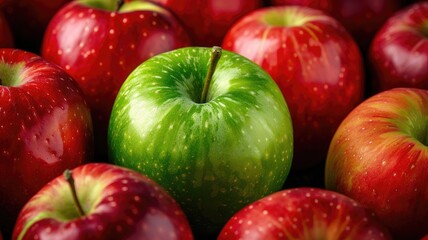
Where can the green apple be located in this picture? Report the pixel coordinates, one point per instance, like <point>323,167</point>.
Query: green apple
<point>214,131</point>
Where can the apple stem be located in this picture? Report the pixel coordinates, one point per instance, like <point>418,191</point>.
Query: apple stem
<point>119,4</point>
<point>215,57</point>
<point>425,30</point>
<point>69,178</point>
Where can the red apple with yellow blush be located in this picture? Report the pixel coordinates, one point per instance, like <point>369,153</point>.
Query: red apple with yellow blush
<point>316,64</point>
<point>361,18</point>
<point>102,201</point>
<point>379,157</point>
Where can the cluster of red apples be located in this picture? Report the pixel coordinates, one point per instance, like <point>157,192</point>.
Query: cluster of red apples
<point>353,74</point>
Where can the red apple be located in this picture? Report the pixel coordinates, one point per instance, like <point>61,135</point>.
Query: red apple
<point>379,157</point>
<point>324,5</point>
<point>45,127</point>
<point>6,38</point>
<point>100,45</point>
<point>399,52</point>
<point>207,21</point>
<point>304,213</point>
<point>104,202</point>
<point>28,20</point>
<point>361,18</point>
<point>316,64</point>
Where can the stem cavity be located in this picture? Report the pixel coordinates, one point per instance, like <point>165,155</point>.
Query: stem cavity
<point>215,57</point>
<point>69,178</point>
<point>119,4</point>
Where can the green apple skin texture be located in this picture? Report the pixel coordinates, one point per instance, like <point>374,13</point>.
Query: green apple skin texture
<point>378,156</point>
<point>213,157</point>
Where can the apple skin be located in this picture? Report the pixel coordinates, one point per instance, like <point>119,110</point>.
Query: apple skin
<point>6,39</point>
<point>100,47</point>
<point>324,5</point>
<point>378,157</point>
<point>208,25</point>
<point>213,157</point>
<point>304,213</point>
<point>399,52</point>
<point>45,127</point>
<point>362,18</point>
<point>28,20</point>
<point>118,203</point>
<point>316,64</point>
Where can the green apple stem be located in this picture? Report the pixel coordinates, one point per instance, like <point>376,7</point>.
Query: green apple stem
<point>69,178</point>
<point>215,57</point>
